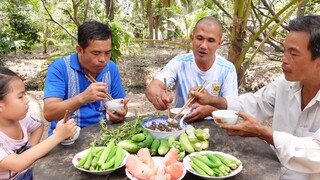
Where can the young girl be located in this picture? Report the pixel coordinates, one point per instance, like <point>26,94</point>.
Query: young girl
<point>15,125</point>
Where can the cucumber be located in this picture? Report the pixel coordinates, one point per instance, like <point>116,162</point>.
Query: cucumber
<point>138,137</point>
<point>129,146</point>
<point>146,143</point>
<point>154,147</point>
<point>164,147</point>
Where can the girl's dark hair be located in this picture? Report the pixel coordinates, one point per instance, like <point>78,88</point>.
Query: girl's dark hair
<point>6,75</point>
<point>310,24</point>
<point>93,30</point>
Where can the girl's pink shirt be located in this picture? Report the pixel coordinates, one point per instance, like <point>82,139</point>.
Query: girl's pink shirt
<point>9,145</point>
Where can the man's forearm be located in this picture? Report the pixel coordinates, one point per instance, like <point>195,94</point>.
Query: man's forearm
<point>218,102</point>
<point>55,109</point>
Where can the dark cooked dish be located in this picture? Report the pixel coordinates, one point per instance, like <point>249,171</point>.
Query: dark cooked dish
<point>162,125</point>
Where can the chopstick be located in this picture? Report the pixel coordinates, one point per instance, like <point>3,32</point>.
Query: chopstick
<point>92,80</point>
<point>166,89</point>
<point>66,116</point>
<point>190,100</point>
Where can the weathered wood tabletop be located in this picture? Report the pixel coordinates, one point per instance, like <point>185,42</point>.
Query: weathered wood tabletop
<point>259,160</point>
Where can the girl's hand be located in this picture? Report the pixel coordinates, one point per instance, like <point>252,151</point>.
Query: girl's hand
<point>65,130</point>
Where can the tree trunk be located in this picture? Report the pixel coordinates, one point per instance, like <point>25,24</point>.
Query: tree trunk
<point>45,38</point>
<point>238,35</point>
<point>109,9</point>
<point>156,27</point>
<point>150,20</point>
<point>170,32</point>
<point>236,41</point>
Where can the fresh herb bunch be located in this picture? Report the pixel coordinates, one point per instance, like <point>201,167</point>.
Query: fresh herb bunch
<point>123,132</point>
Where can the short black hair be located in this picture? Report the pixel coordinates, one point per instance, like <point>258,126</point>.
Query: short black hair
<point>6,75</point>
<point>93,30</point>
<point>310,24</point>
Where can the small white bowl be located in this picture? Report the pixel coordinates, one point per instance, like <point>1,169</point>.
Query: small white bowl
<point>174,112</point>
<point>113,104</point>
<point>156,134</point>
<point>225,117</point>
<point>72,139</point>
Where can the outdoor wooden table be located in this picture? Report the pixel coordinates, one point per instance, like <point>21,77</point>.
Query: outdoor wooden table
<point>259,160</point>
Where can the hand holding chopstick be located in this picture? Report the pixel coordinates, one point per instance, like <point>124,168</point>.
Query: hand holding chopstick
<point>166,90</point>
<point>190,100</point>
<point>92,80</point>
<point>66,116</point>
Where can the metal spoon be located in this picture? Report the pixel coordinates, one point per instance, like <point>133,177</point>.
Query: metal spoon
<point>184,116</point>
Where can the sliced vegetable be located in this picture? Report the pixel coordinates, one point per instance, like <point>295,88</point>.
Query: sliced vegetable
<point>190,129</point>
<point>197,146</point>
<point>201,134</point>
<point>184,141</point>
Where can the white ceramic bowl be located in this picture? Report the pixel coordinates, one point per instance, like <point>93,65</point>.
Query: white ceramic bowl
<point>157,160</point>
<point>225,116</point>
<point>174,112</point>
<point>76,159</point>
<point>162,134</point>
<point>113,104</point>
<point>187,160</point>
<point>72,139</point>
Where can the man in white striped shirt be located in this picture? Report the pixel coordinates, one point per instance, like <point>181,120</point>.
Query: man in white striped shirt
<point>192,69</point>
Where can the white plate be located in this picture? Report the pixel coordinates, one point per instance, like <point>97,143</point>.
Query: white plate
<point>156,160</point>
<point>79,155</point>
<point>187,160</point>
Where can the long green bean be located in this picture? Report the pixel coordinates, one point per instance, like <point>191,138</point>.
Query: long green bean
<point>122,132</point>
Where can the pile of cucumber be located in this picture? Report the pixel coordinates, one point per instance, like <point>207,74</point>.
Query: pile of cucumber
<point>193,140</point>
<point>210,164</point>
